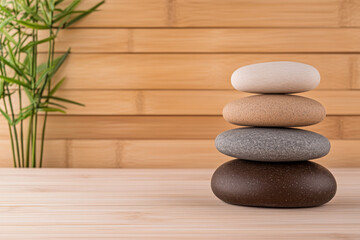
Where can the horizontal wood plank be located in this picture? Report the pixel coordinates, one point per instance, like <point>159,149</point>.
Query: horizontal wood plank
<point>191,71</point>
<point>281,40</point>
<point>125,13</point>
<point>246,40</point>
<point>258,13</point>
<point>157,154</point>
<point>94,153</point>
<point>355,84</point>
<point>166,127</point>
<point>89,40</point>
<point>226,13</point>
<point>350,128</point>
<point>212,102</point>
<point>157,102</point>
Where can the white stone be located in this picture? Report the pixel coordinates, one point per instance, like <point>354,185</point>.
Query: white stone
<point>276,77</point>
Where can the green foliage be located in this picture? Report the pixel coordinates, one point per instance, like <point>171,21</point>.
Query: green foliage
<point>22,77</point>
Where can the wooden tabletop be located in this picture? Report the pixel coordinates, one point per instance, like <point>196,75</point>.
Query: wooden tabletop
<point>158,204</point>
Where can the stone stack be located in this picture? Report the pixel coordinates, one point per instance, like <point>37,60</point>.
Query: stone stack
<point>272,167</point>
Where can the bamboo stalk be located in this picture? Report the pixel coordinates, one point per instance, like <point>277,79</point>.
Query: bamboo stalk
<point>29,138</point>
<point>50,61</point>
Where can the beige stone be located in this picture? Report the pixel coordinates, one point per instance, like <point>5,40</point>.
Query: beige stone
<point>274,110</point>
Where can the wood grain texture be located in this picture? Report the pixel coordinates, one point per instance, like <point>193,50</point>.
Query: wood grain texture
<point>259,13</point>
<point>168,127</point>
<point>93,153</point>
<point>189,102</point>
<point>212,102</point>
<point>350,128</point>
<point>90,40</point>
<point>355,84</point>
<point>281,40</point>
<point>158,204</point>
<point>225,13</point>
<point>246,40</point>
<point>125,13</point>
<point>191,71</point>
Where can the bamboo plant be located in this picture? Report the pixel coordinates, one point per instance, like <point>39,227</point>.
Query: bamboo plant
<point>27,87</point>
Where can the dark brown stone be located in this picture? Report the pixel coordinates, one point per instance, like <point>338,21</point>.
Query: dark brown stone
<point>280,184</point>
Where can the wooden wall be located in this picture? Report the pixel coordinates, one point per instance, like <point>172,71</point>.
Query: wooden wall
<point>155,75</point>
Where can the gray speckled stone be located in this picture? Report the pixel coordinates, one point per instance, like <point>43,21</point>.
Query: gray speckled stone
<point>272,144</point>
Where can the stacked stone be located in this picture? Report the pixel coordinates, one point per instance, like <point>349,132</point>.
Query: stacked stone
<point>272,167</point>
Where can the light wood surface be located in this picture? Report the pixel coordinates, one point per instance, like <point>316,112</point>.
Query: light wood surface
<point>158,204</point>
<point>155,72</point>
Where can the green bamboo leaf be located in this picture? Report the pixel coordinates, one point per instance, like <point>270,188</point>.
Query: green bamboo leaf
<point>6,21</point>
<point>62,23</point>
<point>42,67</point>
<point>55,67</point>
<point>42,77</point>
<point>31,44</point>
<point>14,67</point>
<point>84,14</point>
<point>44,12</point>
<point>67,11</point>
<point>63,100</point>
<point>15,81</point>
<point>59,61</point>
<point>6,116</point>
<point>56,87</point>
<point>1,88</point>
<point>32,25</point>
<point>28,61</point>
<point>57,2</point>
<point>46,4</point>
<point>58,105</point>
<point>50,109</point>
<point>16,64</point>
<point>30,11</point>
<point>51,5</point>
<point>8,36</point>
<point>12,56</point>
<point>24,114</point>
<point>30,96</point>
<point>8,13</point>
